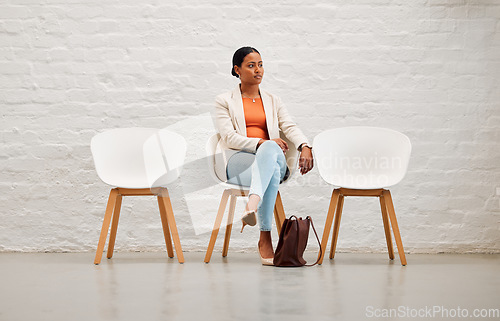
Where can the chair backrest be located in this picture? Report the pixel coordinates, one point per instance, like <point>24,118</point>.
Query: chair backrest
<point>138,157</point>
<point>291,155</point>
<point>211,148</point>
<point>362,157</point>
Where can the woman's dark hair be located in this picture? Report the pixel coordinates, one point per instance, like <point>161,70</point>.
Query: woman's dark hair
<point>238,57</point>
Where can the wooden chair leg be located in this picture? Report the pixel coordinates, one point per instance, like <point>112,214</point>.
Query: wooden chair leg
<point>173,227</point>
<point>166,230</point>
<point>218,220</point>
<point>229,225</point>
<point>395,229</point>
<point>387,227</point>
<point>114,226</point>
<point>336,226</point>
<point>328,224</point>
<point>279,212</point>
<point>105,225</point>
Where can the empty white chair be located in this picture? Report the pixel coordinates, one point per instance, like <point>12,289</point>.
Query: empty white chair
<point>235,191</point>
<point>138,161</point>
<point>362,161</point>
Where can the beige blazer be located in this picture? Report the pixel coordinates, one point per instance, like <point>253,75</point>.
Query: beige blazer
<point>231,125</point>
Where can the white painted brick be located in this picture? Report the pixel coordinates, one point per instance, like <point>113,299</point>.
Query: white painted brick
<point>63,54</point>
<point>197,13</point>
<point>81,27</point>
<point>11,82</point>
<point>85,41</point>
<point>11,27</point>
<point>14,12</point>
<point>17,96</point>
<point>84,12</point>
<point>126,12</point>
<point>88,68</point>
<point>30,55</point>
<point>50,96</point>
<point>12,68</point>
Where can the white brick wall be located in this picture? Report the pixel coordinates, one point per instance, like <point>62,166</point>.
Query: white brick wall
<point>70,69</point>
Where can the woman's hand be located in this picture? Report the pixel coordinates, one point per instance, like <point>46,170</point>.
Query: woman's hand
<point>305,160</point>
<point>282,144</point>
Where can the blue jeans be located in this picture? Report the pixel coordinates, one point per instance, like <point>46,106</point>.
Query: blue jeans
<point>263,172</point>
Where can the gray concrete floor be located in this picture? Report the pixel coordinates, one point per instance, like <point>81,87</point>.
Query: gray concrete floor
<point>151,286</point>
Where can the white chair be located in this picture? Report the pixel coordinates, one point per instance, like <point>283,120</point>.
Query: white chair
<point>138,161</point>
<point>362,161</point>
<point>235,191</point>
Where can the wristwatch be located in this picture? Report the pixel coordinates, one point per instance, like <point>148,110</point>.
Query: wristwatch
<point>304,145</point>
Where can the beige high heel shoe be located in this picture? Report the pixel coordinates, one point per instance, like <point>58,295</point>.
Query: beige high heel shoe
<point>264,261</point>
<point>249,218</point>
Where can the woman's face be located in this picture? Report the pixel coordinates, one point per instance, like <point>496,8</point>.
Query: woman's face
<point>251,70</point>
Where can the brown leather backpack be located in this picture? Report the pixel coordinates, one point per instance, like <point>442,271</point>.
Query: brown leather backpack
<point>293,241</point>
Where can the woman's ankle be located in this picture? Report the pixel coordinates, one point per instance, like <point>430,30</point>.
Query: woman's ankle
<point>265,238</point>
<point>266,244</point>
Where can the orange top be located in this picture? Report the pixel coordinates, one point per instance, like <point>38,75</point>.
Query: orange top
<point>255,118</point>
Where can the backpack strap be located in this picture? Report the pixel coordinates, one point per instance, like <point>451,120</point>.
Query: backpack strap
<point>317,238</point>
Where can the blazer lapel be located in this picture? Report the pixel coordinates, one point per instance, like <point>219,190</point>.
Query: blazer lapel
<point>268,110</point>
<point>239,113</point>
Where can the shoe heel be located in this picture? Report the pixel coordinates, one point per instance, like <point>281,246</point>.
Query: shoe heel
<point>248,218</point>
